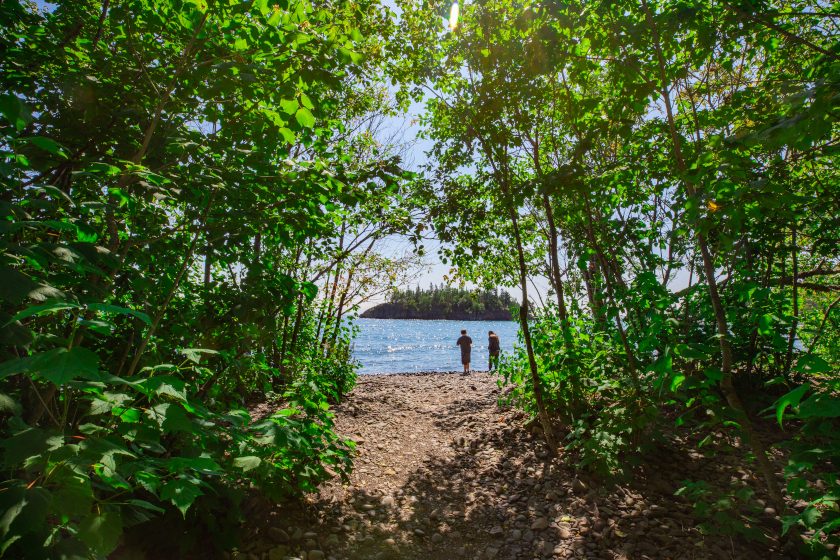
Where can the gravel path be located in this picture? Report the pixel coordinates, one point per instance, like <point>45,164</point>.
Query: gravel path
<point>444,471</point>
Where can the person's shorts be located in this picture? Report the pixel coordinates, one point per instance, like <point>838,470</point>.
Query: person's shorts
<point>465,358</point>
<point>494,353</point>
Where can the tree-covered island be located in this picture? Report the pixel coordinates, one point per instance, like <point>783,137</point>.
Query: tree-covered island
<point>445,302</point>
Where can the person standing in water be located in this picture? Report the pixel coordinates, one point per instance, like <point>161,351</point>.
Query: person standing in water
<point>494,348</point>
<point>465,343</point>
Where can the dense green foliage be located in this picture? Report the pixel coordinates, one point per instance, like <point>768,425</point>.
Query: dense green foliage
<point>191,206</point>
<point>448,300</point>
<point>670,169</point>
<point>178,182</point>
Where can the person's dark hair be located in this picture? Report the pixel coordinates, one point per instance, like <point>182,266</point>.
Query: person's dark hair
<point>491,332</point>
<point>463,331</point>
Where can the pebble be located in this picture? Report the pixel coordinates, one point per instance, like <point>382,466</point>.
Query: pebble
<point>369,541</point>
<point>437,537</point>
<point>315,555</point>
<point>278,553</point>
<point>647,548</point>
<point>277,534</point>
<point>540,524</point>
<point>420,532</point>
<point>516,534</point>
<point>578,487</point>
<point>491,552</point>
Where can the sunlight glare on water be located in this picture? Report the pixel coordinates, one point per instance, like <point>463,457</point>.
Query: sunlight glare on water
<point>399,346</point>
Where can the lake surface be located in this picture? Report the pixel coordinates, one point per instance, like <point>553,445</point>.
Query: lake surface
<point>399,346</point>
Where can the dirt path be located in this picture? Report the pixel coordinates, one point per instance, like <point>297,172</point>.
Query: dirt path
<point>444,472</point>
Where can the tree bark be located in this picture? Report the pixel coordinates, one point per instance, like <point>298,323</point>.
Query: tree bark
<point>526,331</point>
<point>792,337</point>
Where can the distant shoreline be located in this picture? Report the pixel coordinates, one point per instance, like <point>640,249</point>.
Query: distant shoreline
<point>396,311</point>
<point>430,319</point>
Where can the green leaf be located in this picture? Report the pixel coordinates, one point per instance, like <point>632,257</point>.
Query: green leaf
<point>791,399</point>
<point>289,106</point>
<point>765,323</point>
<point>708,528</point>
<point>13,333</point>
<point>810,516</point>
<point>47,144</point>
<point>309,290</point>
<point>108,308</point>
<point>102,449</point>
<point>8,405</point>
<point>167,385</point>
<point>177,464</point>
<point>305,118</point>
<point>812,364</point>
<point>15,111</point>
<point>61,365</point>
<point>247,463</point>
<point>275,18</point>
<point>57,193</point>
<point>170,417</point>
<point>29,443</point>
<point>146,505</point>
<point>744,494</point>
<point>47,308</point>
<point>789,521</point>
<point>101,532</point>
<point>75,498</point>
<point>194,354</point>
<point>101,327</point>
<point>288,135</point>
<point>182,493</point>
<point>22,510</point>
<point>713,373</point>
<point>820,404</point>
<point>16,287</point>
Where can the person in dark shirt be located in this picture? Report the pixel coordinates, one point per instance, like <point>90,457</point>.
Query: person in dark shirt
<point>494,351</point>
<point>465,343</point>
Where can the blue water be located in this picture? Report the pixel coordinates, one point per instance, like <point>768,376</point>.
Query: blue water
<point>399,346</point>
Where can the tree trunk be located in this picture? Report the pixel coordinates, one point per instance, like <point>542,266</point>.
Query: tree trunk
<point>792,338</point>
<point>526,331</point>
<point>555,265</point>
<point>207,266</point>
<point>283,349</point>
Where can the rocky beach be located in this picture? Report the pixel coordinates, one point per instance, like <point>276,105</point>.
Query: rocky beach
<point>446,470</point>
